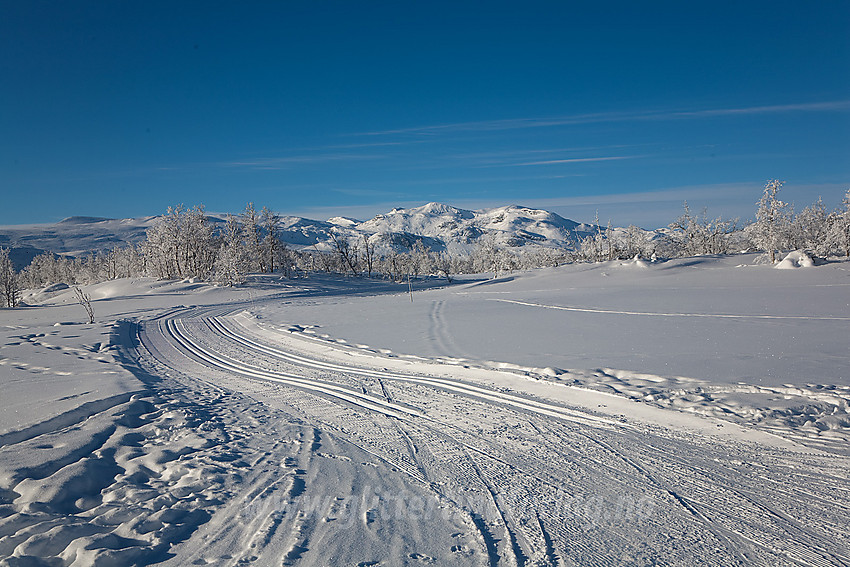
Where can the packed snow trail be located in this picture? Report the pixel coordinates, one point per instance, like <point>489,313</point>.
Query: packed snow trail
<point>522,479</point>
<point>661,314</point>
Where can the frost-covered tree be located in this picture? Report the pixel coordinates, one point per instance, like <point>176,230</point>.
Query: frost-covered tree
<point>599,246</point>
<point>171,228</point>
<point>695,235</point>
<point>487,256</point>
<point>634,242</point>
<point>273,248</point>
<point>162,245</point>
<point>348,252</point>
<point>230,261</point>
<point>395,265</point>
<point>771,229</point>
<point>810,229</point>
<point>368,255</point>
<point>180,245</point>
<point>595,247</point>
<point>539,257</point>
<point>420,258</point>
<point>254,257</point>
<point>444,264</point>
<point>49,268</point>
<point>610,248</point>
<point>318,261</point>
<point>156,249</point>
<point>9,284</point>
<point>838,231</point>
<point>687,233</point>
<point>198,244</point>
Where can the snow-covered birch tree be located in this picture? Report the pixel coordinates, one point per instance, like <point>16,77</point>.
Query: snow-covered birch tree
<point>368,255</point>
<point>838,231</point>
<point>771,230</point>
<point>348,253</point>
<point>273,249</point>
<point>254,257</point>
<point>229,265</point>
<point>809,230</point>
<point>8,280</point>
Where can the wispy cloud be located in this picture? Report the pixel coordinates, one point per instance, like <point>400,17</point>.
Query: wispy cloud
<point>528,153</point>
<point>283,162</point>
<point>365,145</point>
<point>576,160</point>
<point>518,123</point>
<point>832,106</point>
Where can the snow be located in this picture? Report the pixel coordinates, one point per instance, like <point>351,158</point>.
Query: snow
<point>692,411</point>
<point>796,259</point>
<point>717,319</point>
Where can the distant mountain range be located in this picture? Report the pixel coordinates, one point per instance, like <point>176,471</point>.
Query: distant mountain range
<point>443,227</point>
<point>439,226</point>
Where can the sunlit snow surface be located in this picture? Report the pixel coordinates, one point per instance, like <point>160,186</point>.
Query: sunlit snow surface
<point>686,412</point>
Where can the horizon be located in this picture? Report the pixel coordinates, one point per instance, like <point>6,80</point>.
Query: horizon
<point>330,109</point>
<point>583,205</point>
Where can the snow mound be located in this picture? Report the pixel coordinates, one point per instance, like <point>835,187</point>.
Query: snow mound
<point>39,295</point>
<point>794,260</point>
<point>636,262</point>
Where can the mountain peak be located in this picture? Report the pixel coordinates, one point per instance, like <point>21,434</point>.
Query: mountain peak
<point>436,209</point>
<point>347,222</point>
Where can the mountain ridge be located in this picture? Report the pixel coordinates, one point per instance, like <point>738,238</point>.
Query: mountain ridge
<point>439,225</point>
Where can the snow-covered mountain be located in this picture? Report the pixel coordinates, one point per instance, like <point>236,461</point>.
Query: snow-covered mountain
<point>439,226</point>
<point>72,236</point>
<point>458,229</point>
<point>76,235</point>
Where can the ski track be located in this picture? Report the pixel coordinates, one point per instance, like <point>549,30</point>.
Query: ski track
<point>507,465</point>
<point>439,331</point>
<point>661,314</point>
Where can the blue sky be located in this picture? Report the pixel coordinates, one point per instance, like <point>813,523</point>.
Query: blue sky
<point>120,109</point>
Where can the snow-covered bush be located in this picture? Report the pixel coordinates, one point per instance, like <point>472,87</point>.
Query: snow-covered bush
<point>696,235</point>
<point>795,259</point>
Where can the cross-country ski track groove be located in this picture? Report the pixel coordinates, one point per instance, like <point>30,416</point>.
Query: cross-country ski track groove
<point>523,472</point>
<point>454,386</point>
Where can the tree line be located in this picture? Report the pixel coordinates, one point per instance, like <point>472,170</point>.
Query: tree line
<point>186,243</point>
<point>776,228</point>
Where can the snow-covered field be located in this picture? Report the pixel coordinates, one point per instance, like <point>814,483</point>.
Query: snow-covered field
<point>687,412</point>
